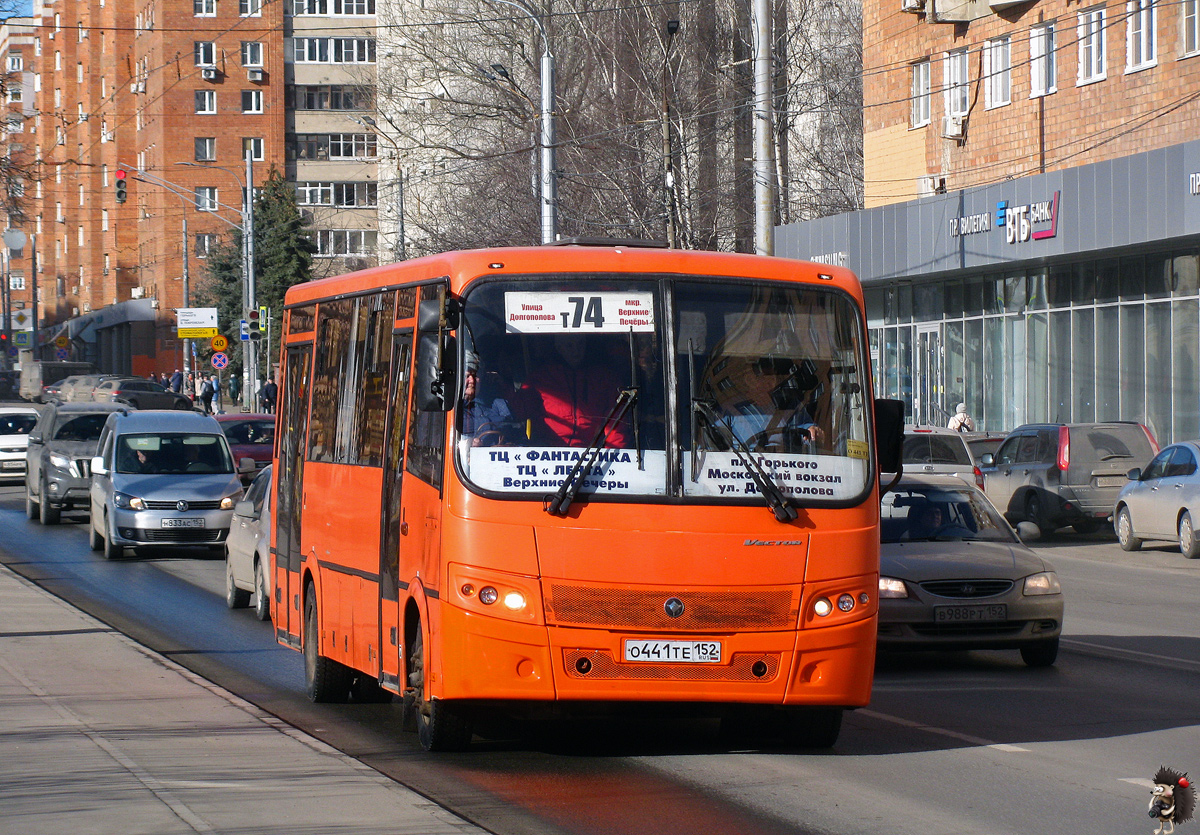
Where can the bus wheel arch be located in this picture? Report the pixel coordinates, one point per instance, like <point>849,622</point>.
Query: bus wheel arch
<point>440,725</point>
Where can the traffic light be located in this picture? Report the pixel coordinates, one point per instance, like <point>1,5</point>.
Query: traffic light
<point>254,323</point>
<point>122,195</point>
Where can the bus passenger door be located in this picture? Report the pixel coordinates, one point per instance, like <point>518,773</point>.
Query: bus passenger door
<point>390,621</point>
<point>289,495</point>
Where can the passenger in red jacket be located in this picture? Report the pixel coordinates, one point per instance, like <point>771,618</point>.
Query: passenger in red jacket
<point>568,395</point>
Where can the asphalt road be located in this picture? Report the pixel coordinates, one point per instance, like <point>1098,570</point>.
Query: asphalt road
<point>956,743</point>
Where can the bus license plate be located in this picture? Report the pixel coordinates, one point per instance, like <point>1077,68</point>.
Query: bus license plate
<point>183,523</point>
<point>673,652</point>
<point>970,614</point>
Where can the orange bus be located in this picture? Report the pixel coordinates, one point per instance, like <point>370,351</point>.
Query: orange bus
<point>581,475</point>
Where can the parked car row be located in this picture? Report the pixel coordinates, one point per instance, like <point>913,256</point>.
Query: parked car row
<point>155,478</point>
<point>137,392</point>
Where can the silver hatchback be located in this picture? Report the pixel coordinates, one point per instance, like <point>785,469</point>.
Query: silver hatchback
<point>162,478</point>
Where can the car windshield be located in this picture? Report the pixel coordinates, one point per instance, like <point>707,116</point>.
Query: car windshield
<point>80,427</point>
<point>925,512</point>
<point>249,432</point>
<point>172,454</point>
<point>17,424</point>
<point>744,381</point>
<point>931,448</point>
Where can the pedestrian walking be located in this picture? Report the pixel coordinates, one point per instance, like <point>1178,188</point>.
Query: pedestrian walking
<point>207,392</point>
<point>961,422</point>
<point>176,381</point>
<point>267,396</point>
<point>217,401</point>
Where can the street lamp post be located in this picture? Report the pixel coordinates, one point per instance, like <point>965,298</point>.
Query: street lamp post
<point>549,195</point>
<point>668,176</point>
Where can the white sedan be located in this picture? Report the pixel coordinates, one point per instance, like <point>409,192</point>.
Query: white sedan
<point>248,549</point>
<point>16,422</point>
<point>1162,501</point>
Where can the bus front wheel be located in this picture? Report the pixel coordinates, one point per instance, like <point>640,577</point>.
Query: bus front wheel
<point>813,727</point>
<point>325,680</point>
<point>441,725</point>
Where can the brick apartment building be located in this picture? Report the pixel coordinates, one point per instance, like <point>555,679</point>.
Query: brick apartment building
<point>174,93</point>
<point>17,37</point>
<point>1031,238</point>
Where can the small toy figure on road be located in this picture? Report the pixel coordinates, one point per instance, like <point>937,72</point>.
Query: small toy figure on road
<point>1173,799</point>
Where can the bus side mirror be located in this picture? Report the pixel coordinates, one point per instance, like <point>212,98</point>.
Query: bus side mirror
<point>434,315</point>
<point>435,383</point>
<point>889,435</point>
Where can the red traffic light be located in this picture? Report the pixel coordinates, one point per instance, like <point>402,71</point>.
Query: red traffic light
<point>120,174</point>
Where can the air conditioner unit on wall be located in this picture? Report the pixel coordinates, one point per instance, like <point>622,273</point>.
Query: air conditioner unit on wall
<point>208,73</point>
<point>912,5</point>
<point>254,74</point>
<point>953,127</point>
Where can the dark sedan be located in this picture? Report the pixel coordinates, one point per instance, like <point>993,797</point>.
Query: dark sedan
<point>954,576</point>
<point>139,393</point>
<point>249,436</point>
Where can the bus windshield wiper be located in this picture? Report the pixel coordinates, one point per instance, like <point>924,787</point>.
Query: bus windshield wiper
<point>559,503</point>
<point>783,511</point>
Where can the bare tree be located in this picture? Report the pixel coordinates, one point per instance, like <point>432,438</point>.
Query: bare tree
<point>458,94</point>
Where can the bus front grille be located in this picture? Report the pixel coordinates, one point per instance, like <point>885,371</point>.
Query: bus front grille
<point>602,665</point>
<point>703,611</point>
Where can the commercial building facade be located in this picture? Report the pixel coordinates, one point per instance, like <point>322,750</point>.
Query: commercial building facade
<point>1031,245</point>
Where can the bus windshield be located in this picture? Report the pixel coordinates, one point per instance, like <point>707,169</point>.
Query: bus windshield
<point>684,387</point>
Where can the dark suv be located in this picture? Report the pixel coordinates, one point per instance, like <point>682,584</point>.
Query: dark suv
<point>58,459</point>
<point>1055,474</point>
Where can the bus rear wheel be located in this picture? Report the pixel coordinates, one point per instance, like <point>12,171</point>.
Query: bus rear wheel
<point>325,680</point>
<point>441,725</point>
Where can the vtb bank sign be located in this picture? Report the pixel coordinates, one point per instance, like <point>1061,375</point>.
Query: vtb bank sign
<point>1030,221</point>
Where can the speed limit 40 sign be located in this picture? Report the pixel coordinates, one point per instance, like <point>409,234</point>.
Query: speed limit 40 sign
<point>220,343</point>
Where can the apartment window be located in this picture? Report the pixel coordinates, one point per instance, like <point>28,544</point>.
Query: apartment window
<point>1191,27</point>
<point>14,124</point>
<point>355,8</point>
<point>204,8</point>
<point>958,83</point>
<point>206,242</point>
<point>334,242</point>
<point>252,145</point>
<point>920,94</point>
<point>333,146</point>
<point>252,54</point>
<point>205,53</point>
<point>1090,33</point>
<point>310,50</point>
<point>206,102</point>
<point>104,220</point>
<point>354,50</point>
<point>1141,48</point>
<point>14,93</point>
<point>997,72</point>
<point>252,101</point>
<point>314,194</point>
<point>1043,61</point>
<point>360,195</point>
<point>329,97</point>
<point>15,63</point>
<point>206,199</point>
<point>250,8</point>
<point>206,149</point>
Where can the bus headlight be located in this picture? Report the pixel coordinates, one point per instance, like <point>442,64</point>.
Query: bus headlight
<point>496,594</point>
<point>515,601</point>
<point>822,607</point>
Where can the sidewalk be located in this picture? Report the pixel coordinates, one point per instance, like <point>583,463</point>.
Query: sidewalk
<point>99,735</point>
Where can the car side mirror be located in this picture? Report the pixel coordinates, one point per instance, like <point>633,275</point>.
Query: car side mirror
<point>35,438</point>
<point>1028,532</point>
<point>245,508</point>
<point>98,467</point>
<point>1135,474</point>
<point>987,460</point>
<point>246,465</point>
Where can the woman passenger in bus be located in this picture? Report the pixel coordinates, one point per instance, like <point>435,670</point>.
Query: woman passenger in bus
<point>568,394</point>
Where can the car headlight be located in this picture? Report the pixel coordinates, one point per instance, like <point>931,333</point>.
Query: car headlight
<point>62,462</point>
<point>1044,583</point>
<point>228,502</point>
<point>891,587</point>
<point>128,502</point>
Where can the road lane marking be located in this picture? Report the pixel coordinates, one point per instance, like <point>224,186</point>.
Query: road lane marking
<point>921,726</point>
<point>1089,648</point>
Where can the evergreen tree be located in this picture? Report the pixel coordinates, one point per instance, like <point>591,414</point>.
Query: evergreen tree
<point>283,254</point>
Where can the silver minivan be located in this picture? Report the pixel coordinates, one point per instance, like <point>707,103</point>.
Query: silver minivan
<point>162,478</point>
